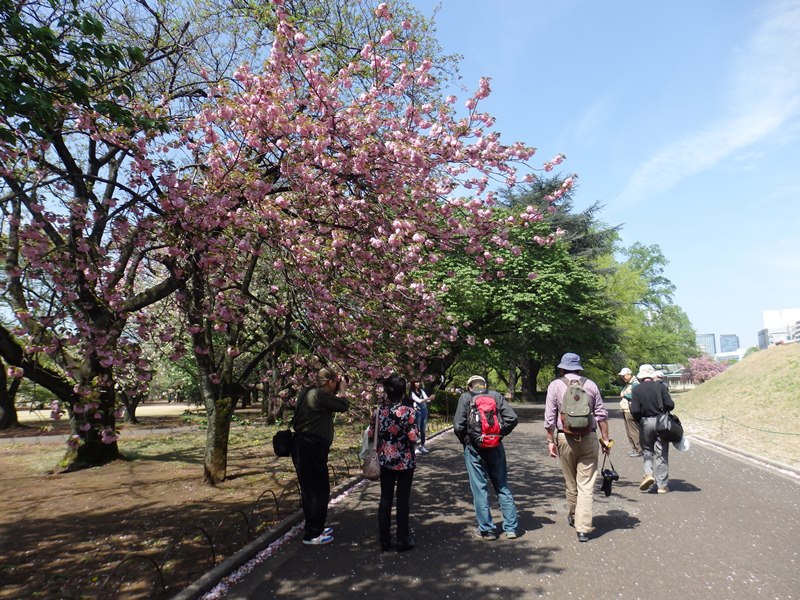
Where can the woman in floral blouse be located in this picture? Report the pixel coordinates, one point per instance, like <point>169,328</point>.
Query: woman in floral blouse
<point>397,434</point>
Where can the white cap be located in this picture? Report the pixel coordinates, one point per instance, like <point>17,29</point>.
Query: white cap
<point>475,378</point>
<point>625,371</point>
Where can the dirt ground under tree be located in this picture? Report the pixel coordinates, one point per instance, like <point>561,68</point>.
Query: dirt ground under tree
<point>72,535</point>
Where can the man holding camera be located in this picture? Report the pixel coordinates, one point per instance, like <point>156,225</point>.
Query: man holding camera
<point>313,426</point>
<point>576,448</point>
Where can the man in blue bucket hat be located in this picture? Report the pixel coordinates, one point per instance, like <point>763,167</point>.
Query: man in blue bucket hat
<point>573,439</point>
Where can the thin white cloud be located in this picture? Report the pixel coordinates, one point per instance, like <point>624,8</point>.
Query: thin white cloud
<point>764,97</point>
<point>587,128</point>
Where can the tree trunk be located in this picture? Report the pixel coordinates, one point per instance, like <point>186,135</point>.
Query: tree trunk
<point>8,410</point>
<point>512,381</point>
<point>275,409</point>
<point>530,373</point>
<point>263,391</point>
<point>130,405</point>
<point>92,448</point>
<point>92,452</point>
<point>219,414</point>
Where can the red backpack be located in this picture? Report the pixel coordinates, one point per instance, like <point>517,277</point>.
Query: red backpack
<point>483,427</point>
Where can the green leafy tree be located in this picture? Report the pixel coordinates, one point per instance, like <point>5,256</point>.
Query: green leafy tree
<point>543,300</point>
<point>751,350</point>
<point>54,56</point>
<point>652,328</point>
<point>650,262</point>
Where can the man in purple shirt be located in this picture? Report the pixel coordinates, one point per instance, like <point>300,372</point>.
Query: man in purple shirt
<point>577,453</point>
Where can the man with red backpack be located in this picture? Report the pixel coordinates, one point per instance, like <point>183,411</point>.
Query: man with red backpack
<point>481,421</point>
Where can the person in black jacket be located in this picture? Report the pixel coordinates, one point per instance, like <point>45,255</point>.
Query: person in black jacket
<point>650,398</point>
<point>313,437</point>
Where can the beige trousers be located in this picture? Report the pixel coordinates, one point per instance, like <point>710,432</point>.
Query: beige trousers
<point>632,430</point>
<point>578,458</point>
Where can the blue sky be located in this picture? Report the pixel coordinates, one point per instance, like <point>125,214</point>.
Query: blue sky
<point>681,118</point>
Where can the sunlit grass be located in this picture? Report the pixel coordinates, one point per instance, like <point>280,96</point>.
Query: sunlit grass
<point>753,405</point>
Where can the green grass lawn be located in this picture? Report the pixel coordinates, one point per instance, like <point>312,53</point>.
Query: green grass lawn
<point>753,405</point>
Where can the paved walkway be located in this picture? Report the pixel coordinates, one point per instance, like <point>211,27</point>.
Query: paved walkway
<point>728,530</point>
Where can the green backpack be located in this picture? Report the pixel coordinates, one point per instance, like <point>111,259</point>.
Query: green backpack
<point>576,417</point>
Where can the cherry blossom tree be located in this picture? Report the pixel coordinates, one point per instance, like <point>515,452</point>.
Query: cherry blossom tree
<point>8,391</point>
<point>338,194</point>
<point>290,224</point>
<point>80,239</point>
<point>702,369</point>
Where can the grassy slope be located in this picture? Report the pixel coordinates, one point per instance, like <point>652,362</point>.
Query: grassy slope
<point>754,405</point>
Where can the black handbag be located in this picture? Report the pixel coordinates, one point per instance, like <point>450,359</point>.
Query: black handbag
<point>282,440</point>
<point>668,426</point>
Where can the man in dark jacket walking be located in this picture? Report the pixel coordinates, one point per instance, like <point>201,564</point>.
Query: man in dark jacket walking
<point>649,399</point>
<point>486,464</point>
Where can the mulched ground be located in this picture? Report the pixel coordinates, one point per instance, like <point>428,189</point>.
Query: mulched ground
<point>101,531</point>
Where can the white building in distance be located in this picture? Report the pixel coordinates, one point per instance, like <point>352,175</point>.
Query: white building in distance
<point>780,325</point>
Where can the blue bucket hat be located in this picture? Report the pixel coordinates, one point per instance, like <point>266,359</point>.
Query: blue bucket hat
<point>570,362</point>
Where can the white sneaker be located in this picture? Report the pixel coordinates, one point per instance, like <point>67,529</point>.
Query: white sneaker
<point>320,540</point>
<point>327,531</point>
<point>417,451</point>
<point>424,450</point>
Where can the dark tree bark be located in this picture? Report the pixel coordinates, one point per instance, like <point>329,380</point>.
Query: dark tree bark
<point>512,381</point>
<point>530,373</point>
<point>215,463</point>
<point>8,410</point>
<point>130,404</point>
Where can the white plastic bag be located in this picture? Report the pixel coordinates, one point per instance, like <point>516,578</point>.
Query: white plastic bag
<point>682,445</point>
<point>365,445</point>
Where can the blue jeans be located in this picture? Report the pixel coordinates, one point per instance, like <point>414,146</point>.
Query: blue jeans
<point>422,422</point>
<point>490,465</point>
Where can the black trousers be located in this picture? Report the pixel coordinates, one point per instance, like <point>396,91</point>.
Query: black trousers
<point>310,458</point>
<point>402,480</point>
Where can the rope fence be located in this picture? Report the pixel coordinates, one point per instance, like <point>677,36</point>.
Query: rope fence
<point>723,419</point>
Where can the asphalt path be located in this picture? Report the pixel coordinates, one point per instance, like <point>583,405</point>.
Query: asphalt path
<point>727,530</point>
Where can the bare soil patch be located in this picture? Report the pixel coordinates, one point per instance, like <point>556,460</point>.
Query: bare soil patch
<point>78,535</point>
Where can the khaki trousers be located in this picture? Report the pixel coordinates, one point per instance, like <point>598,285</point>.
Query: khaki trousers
<point>632,430</point>
<point>578,458</point>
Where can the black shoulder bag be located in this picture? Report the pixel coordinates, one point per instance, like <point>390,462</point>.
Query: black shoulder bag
<point>668,426</point>
<point>282,440</point>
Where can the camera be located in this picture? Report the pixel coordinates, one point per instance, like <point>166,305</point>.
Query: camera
<point>609,476</point>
